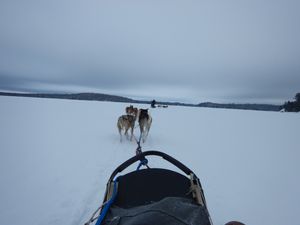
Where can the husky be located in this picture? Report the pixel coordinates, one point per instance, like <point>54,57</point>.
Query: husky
<point>145,121</point>
<point>130,110</point>
<point>126,122</point>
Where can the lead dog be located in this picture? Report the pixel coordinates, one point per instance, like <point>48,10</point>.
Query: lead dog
<point>145,121</point>
<point>126,122</point>
<point>130,110</point>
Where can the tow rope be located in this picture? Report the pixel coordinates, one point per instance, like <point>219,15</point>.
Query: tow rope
<point>143,161</point>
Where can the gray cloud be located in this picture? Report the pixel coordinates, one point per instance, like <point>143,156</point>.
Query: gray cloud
<point>225,51</point>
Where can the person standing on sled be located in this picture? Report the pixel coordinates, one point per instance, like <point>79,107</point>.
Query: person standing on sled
<point>153,103</point>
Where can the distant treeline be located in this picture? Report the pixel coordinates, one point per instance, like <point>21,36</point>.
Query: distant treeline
<point>115,98</point>
<point>262,107</point>
<point>79,96</point>
<point>293,106</point>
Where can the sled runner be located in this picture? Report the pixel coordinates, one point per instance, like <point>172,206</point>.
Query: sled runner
<point>153,196</point>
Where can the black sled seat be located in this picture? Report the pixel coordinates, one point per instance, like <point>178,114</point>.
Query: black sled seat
<point>153,196</point>
<point>151,185</point>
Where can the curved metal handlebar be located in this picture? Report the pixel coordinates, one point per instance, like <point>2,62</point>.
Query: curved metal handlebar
<point>142,155</point>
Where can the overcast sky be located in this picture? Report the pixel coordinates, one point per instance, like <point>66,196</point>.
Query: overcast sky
<point>193,51</point>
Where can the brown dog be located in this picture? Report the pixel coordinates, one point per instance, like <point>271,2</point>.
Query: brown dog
<point>126,122</point>
<point>130,110</point>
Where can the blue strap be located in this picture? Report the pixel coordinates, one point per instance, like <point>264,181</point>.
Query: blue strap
<point>143,162</point>
<point>108,204</point>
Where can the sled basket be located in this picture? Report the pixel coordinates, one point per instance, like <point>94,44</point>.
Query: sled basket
<point>153,196</point>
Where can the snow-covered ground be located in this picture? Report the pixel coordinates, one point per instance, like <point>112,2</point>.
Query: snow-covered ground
<point>56,157</point>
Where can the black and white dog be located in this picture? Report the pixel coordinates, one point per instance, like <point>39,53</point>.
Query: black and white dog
<point>145,121</point>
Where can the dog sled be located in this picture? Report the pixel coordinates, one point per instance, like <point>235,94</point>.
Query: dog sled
<point>152,196</point>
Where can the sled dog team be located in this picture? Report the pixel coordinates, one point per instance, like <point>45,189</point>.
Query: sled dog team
<point>127,122</point>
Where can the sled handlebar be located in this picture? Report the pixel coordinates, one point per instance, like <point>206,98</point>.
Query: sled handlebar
<point>142,155</point>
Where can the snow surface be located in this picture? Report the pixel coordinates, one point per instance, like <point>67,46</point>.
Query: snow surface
<point>57,155</point>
